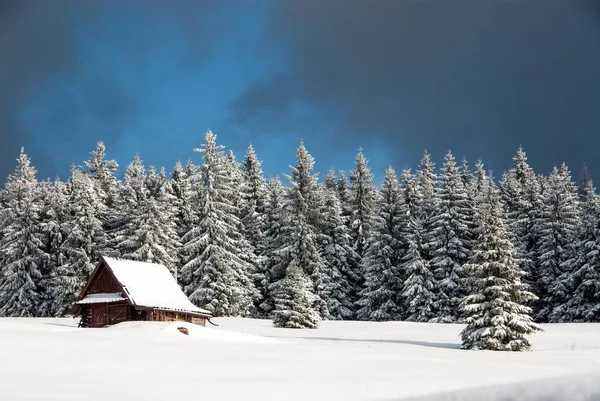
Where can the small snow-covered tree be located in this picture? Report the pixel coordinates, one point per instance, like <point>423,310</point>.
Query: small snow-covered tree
<point>381,296</point>
<point>497,318</point>
<point>294,299</point>
<point>21,251</point>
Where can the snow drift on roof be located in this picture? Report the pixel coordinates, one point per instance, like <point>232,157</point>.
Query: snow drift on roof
<point>102,298</point>
<point>151,285</point>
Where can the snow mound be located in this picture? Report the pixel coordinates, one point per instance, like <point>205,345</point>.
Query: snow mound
<point>168,330</point>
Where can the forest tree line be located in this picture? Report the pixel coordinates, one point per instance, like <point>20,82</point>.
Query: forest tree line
<point>301,250</point>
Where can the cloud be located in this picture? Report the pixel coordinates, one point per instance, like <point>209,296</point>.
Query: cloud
<point>480,77</point>
<point>42,48</point>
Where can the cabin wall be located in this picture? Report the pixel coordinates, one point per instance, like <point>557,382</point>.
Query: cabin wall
<point>104,282</point>
<point>100,315</point>
<point>171,316</point>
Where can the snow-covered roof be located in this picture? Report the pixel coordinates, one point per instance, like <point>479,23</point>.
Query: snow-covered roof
<point>102,298</point>
<point>151,285</point>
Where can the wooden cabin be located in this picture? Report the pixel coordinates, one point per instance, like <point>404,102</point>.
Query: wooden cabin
<point>123,290</point>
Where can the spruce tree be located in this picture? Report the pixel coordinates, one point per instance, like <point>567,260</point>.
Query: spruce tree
<point>419,287</point>
<point>271,258</point>
<point>450,239</point>
<point>83,242</point>
<point>294,299</point>
<point>153,237</point>
<point>522,202</point>
<point>557,229</point>
<point>216,275</point>
<point>252,213</point>
<point>584,304</point>
<point>427,206</point>
<point>362,202</point>
<point>497,318</point>
<point>299,235</point>
<point>53,217</point>
<point>339,258</point>
<point>21,251</point>
<point>381,297</point>
<point>103,173</point>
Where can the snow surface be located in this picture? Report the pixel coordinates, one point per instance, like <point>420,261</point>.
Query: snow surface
<point>151,285</point>
<point>102,298</point>
<point>246,359</point>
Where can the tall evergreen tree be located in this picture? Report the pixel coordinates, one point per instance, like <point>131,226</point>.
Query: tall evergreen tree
<point>103,173</point>
<point>497,318</point>
<point>362,202</point>
<point>451,239</point>
<point>53,217</point>
<point>420,284</point>
<point>426,185</point>
<point>339,258</point>
<point>381,297</point>
<point>22,249</point>
<point>523,202</point>
<point>584,304</point>
<point>216,274</point>
<point>271,260</point>
<point>299,235</point>
<point>557,228</point>
<point>84,238</point>
<point>252,213</point>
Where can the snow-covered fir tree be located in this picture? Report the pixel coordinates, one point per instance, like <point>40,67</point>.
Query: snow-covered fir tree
<point>153,237</point>
<point>450,239</point>
<point>362,202</point>
<point>343,193</point>
<point>381,297</point>
<point>252,213</point>
<point>53,217</point>
<point>426,186</point>
<point>129,205</point>
<point>338,256</point>
<point>497,318</point>
<point>271,259</point>
<point>584,304</point>
<point>557,229</point>
<point>22,248</point>
<point>294,300</point>
<point>522,201</point>
<point>217,273</point>
<point>83,242</point>
<point>102,171</point>
<point>299,235</point>
<point>419,287</point>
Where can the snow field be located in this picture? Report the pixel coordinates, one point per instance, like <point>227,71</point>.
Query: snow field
<point>52,359</point>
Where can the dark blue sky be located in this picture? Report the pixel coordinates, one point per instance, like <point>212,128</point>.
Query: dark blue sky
<point>395,77</point>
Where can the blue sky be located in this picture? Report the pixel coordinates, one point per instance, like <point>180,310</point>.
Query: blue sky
<point>150,77</point>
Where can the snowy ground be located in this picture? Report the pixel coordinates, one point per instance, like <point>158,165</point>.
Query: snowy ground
<point>245,359</point>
